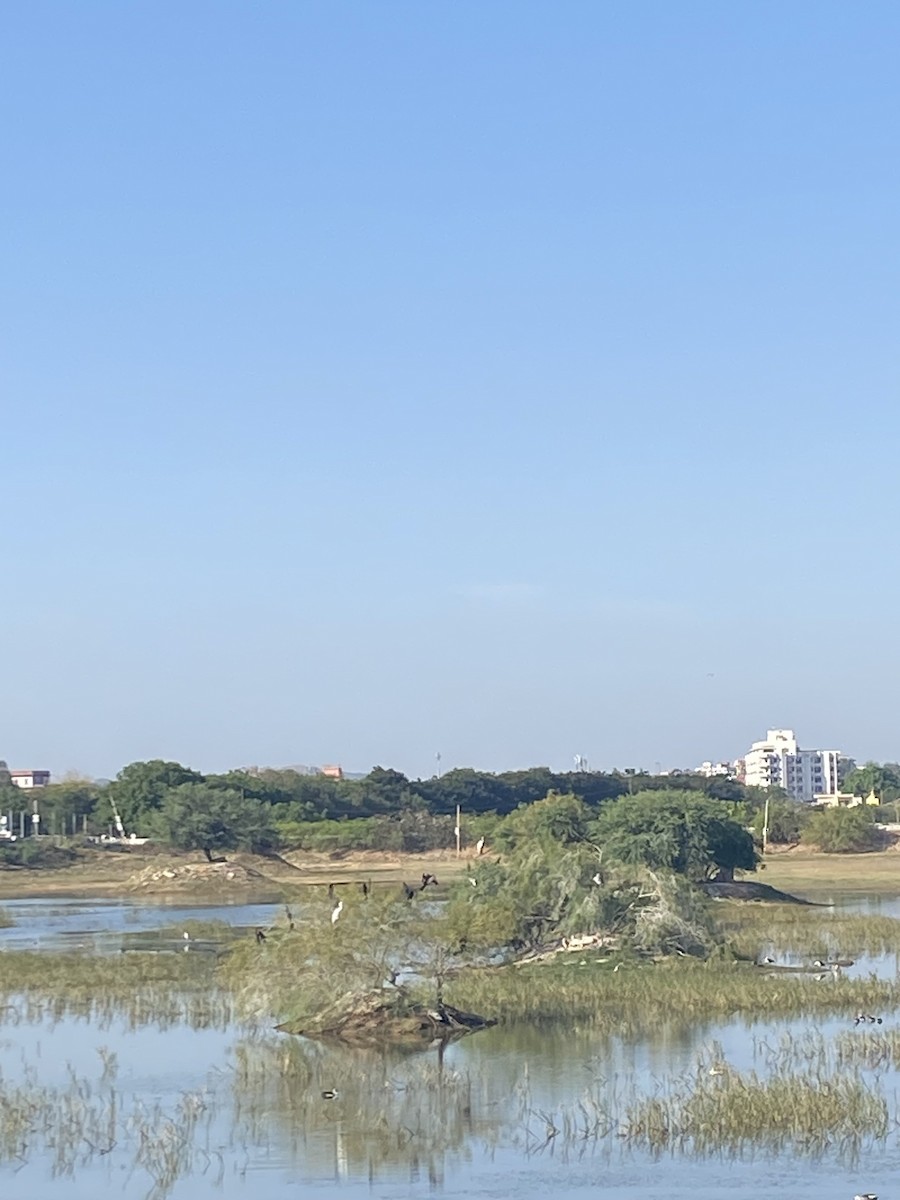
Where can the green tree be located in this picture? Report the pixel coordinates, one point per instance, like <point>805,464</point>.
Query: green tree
<point>67,805</point>
<point>473,791</point>
<point>10,796</point>
<point>677,830</point>
<point>139,789</point>
<point>787,819</point>
<point>560,819</point>
<point>842,830</point>
<point>881,778</point>
<point>198,816</point>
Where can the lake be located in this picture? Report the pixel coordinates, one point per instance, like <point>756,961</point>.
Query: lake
<point>237,1111</point>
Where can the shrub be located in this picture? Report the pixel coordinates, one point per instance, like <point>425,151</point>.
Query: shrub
<point>787,820</point>
<point>842,830</point>
<point>560,819</point>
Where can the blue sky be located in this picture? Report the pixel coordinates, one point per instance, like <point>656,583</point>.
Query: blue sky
<point>507,380</point>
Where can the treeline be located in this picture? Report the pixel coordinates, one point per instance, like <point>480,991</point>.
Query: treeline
<point>140,789</point>
<point>385,810</point>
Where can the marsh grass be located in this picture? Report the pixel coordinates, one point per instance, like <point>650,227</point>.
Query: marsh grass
<point>729,1110</point>
<point>754,929</point>
<point>74,1124</point>
<point>141,989</point>
<point>68,973</point>
<point>391,1108</point>
<point>867,1047</point>
<point>715,1109</point>
<point>639,996</point>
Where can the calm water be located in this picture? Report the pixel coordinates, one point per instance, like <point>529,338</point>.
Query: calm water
<point>473,1129</point>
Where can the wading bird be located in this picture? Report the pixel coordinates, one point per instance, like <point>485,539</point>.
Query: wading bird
<point>426,879</point>
<point>336,911</point>
<point>289,915</point>
<point>479,846</point>
<point>408,892</point>
<point>260,937</point>
<point>330,1094</point>
<point>364,888</point>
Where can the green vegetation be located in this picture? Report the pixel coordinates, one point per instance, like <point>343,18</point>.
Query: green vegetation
<point>198,816</point>
<point>413,832</point>
<point>146,989</point>
<point>728,1110</point>
<point>639,997</point>
<point>562,819</point>
<point>755,930</point>
<point>786,819</point>
<point>842,830</point>
<point>882,779</point>
<point>382,811</point>
<point>681,822</point>
<point>35,854</point>
<point>676,830</point>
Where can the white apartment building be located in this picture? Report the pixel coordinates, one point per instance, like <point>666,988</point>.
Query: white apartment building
<point>804,774</point>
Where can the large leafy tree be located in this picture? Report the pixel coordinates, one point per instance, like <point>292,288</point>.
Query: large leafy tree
<point>199,816</point>
<point>139,789</point>
<point>678,830</point>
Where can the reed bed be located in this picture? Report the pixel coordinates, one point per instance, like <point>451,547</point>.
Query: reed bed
<point>638,997</point>
<point>391,1107</point>
<point>86,1119</point>
<point>715,1109</point>
<point>863,1047</point>
<point>728,1111</point>
<point>140,989</point>
<point>68,973</point>
<point>754,929</point>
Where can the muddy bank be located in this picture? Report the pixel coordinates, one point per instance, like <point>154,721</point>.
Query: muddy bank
<point>747,889</point>
<point>387,1016</point>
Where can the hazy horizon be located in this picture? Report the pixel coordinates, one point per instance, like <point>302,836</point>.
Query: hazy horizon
<point>508,381</point>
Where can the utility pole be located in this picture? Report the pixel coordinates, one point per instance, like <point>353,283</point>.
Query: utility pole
<point>765,829</point>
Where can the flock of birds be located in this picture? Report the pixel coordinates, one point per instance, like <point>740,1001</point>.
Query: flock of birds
<point>409,893</point>
<point>429,880</point>
<point>832,970</point>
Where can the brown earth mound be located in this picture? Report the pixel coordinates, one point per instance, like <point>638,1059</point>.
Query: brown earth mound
<point>387,1016</point>
<point>170,875</point>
